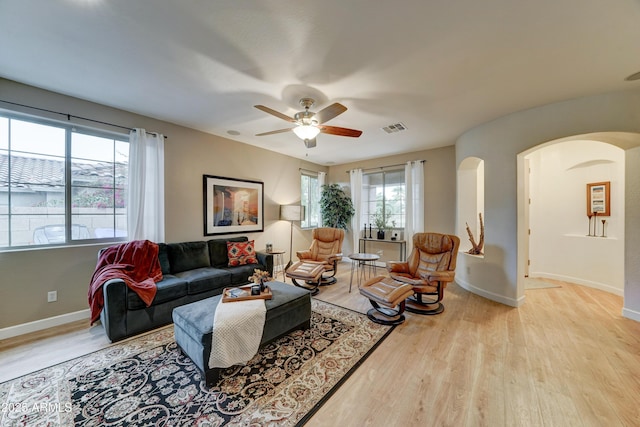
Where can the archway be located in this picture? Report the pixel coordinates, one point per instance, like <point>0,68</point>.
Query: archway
<point>555,237</point>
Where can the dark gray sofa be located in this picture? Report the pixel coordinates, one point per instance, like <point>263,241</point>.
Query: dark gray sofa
<point>191,271</point>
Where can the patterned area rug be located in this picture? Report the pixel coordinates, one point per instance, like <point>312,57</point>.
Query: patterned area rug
<point>147,381</point>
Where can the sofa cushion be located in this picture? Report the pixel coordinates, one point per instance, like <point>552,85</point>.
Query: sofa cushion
<point>188,256</point>
<point>218,250</point>
<point>241,253</point>
<point>205,279</point>
<point>163,257</point>
<point>168,289</point>
<point>240,274</point>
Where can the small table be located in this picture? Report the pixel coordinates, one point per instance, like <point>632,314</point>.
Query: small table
<point>363,260</point>
<point>278,263</point>
<point>402,245</point>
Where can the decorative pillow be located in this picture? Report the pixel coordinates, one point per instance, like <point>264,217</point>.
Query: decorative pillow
<point>241,253</point>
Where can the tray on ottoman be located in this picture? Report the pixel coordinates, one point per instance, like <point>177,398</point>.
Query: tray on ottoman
<point>227,295</point>
<point>289,309</point>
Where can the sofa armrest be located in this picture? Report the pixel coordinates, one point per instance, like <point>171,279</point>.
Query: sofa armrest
<point>114,312</point>
<point>266,259</point>
<point>302,255</point>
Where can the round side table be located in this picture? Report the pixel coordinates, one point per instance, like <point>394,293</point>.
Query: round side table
<point>278,263</point>
<point>362,261</point>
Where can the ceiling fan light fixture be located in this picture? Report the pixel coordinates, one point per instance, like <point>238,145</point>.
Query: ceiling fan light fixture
<point>306,131</point>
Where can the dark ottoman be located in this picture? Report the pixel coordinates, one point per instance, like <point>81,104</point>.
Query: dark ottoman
<point>289,309</point>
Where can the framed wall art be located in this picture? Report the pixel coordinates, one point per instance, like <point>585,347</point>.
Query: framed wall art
<point>599,199</point>
<point>232,205</point>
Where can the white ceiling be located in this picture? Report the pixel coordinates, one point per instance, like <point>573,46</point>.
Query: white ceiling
<point>438,66</point>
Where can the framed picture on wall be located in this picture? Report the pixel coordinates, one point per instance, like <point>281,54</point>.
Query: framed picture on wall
<point>599,199</point>
<point>232,205</point>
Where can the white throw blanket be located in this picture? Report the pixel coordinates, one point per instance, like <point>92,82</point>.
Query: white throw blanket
<point>237,331</point>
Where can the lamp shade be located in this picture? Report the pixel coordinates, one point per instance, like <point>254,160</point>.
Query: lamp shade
<point>306,131</point>
<point>291,212</point>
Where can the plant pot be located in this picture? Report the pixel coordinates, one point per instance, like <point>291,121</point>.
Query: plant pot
<point>380,234</point>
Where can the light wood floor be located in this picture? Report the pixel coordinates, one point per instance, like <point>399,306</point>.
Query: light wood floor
<point>565,358</point>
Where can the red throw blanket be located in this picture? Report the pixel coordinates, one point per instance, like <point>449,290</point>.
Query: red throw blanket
<point>135,262</point>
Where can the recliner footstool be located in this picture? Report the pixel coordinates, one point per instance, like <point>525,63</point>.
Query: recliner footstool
<point>387,296</point>
<point>310,273</point>
<point>289,309</point>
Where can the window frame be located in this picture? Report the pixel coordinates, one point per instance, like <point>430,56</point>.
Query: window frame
<point>367,215</point>
<point>69,130</point>
<point>305,224</point>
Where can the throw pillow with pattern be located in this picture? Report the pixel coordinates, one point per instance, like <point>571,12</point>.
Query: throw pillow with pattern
<point>241,253</point>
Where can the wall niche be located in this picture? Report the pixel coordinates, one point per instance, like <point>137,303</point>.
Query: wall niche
<point>470,201</point>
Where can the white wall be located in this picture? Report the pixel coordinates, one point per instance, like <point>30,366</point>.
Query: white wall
<point>632,235</point>
<point>559,245</point>
<point>500,274</point>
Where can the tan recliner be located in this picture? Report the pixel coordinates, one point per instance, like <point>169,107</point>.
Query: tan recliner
<point>326,249</point>
<point>429,268</point>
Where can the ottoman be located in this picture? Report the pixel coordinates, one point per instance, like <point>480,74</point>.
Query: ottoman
<point>309,272</point>
<point>289,309</point>
<point>387,296</point>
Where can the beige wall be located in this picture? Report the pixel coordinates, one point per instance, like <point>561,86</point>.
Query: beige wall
<point>439,185</point>
<point>27,276</point>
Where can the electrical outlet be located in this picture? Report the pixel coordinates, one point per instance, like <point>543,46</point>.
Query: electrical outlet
<point>468,271</point>
<point>52,296</point>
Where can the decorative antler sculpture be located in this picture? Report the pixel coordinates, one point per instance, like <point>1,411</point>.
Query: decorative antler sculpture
<point>477,247</point>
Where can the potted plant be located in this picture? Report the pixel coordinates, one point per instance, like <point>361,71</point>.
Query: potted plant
<point>381,223</point>
<point>336,207</point>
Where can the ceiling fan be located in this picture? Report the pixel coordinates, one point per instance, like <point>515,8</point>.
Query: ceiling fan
<point>310,124</point>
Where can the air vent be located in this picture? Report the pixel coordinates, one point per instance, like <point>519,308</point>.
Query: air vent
<point>396,127</point>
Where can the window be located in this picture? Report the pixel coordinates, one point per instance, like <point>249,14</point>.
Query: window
<point>383,194</point>
<point>310,199</point>
<point>59,184</point>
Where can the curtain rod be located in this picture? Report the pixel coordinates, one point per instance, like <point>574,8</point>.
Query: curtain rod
<point>388,166</point>
<point>309,170</point>
<point>69,116</point>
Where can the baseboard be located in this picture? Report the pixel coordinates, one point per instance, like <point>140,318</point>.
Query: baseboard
<point>631,314</point>
<point>578,281</point>
<point>490,295</point>
<point>38,325</point>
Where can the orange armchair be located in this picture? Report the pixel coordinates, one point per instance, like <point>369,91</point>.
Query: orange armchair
<point>326,249</point>
<point>429,268</point>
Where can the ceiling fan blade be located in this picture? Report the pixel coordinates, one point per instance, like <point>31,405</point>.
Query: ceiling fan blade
<point>275,113</point>
<point>330,112</point>
<point>274,132</point>
<point>310,143</point>
<point>334,130</point>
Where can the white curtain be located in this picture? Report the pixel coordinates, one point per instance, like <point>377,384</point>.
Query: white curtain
<point>414,219</point>
<point>322,176</point>
<point>145,196</point>
<point>355,179</point>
